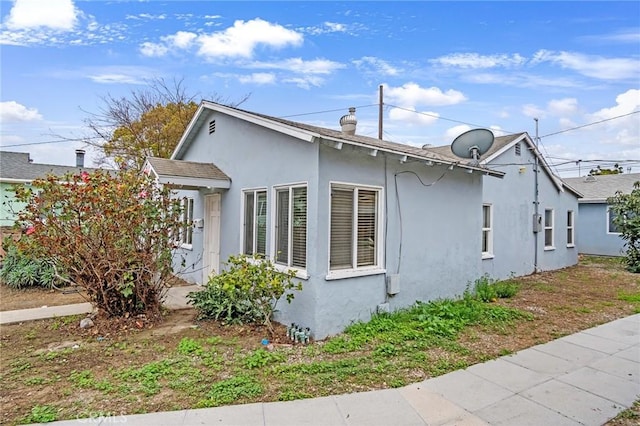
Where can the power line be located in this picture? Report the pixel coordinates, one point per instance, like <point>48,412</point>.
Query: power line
<point>49,142</point>
<point>324,112</point>
<point>590,124</point>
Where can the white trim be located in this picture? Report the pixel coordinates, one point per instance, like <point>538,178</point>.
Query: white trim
<point>366,270</point>
<point>11,180</point>
<point>489,253</point>
<point>551,227</point>
<point>609,221</point>
<point>571,227</point>
<point>300,273</point>
<point>340,274</point>
<point>272,227</point>
<point>243,192</point>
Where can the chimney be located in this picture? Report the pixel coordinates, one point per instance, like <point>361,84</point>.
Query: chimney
<point>348,122</point>
<point>79,157</point>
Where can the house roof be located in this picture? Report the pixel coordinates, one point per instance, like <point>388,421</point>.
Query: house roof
<point>17,167</point>
<point>187,174</point>
<point>596,189</point>
<point>332,137</point>
<point>502,144</point>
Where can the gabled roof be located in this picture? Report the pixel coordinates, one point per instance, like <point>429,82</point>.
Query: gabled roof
<point>315,134</point>
<point>187,174</point>
<point>16,167</point>
<point>597,189</point>
<point>501,144</point>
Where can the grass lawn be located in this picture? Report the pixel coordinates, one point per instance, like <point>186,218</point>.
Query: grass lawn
<point>52,370</point>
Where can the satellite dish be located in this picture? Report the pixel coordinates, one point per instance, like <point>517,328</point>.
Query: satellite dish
<point>473,144</point>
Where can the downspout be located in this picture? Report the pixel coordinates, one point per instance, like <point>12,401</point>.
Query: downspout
<point>536,203</point>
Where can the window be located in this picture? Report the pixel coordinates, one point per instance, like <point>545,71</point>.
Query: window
<point>487,230</point>
<point>518,149</point>
<point>291,226</point>
<point>255,222</point>
<point>570,229</point>
<point>355,228</point>
<point>548,228</point>
<point>186,232</point>
<point>612,228</point>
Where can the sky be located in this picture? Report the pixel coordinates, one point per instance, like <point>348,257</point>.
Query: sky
<point>444,68</point>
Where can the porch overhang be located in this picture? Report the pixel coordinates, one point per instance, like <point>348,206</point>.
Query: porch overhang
<point>186,174</point>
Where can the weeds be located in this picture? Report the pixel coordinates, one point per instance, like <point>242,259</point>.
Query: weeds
<point>42,414</point>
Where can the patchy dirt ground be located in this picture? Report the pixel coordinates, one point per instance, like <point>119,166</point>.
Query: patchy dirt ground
<point>112,368</point>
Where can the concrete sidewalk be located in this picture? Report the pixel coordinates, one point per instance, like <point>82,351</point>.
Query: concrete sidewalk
<point>583,379</point>
<point>176,299</point>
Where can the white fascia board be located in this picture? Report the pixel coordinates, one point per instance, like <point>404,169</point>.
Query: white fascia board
<point>182,181</point>
<point>11,180</point>
<point>592,201</point>
<point>504,149</point>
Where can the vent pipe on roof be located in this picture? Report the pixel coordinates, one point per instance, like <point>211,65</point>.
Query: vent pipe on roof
<point>348,122</point>
<point>79,157</point>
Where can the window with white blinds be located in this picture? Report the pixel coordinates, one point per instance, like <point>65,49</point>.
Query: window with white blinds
<point>291,226</point>
<point>255,222</point>
<point>354,227</point>
<point>186,231</point>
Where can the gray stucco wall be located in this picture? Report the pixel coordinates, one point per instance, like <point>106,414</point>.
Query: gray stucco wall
<point>438,235</point>
<point>512,200</point>
<point>593,235</point>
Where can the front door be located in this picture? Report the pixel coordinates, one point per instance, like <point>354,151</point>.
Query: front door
<point>211,255</point>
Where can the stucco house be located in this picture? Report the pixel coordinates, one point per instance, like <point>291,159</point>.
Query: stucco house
<point>518,238</point>
<point>597,234</point>
<point>368,225</point>
<point>16,168</point>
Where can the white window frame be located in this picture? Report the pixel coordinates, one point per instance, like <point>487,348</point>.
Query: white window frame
<point>378,268</point>
<point>186,220</point>
<point>254,244</point>
<point>609,223</point>
<point>300,272</point>
<point>550,227</point>
<point>489,230</point>
<point>571,228</point>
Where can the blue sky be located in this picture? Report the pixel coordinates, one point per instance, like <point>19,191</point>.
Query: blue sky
<point>446,67</point>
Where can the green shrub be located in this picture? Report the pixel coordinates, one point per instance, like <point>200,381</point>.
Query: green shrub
<point>487,289</point>
<point>21,270</point>
<point>246,292</point>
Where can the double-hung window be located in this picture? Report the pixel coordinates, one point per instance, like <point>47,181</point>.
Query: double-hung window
<point>355,231</point>
<point>487,231</point>
<point>570,229</point>
<point>548,229</point>
<point>255,222</point>
<point>186,231</point>
<point>291,226</point>
<point>612,228</point>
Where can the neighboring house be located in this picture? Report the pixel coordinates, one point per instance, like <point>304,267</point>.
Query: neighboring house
<point>16,168</point>
<point>517,240</point>
<point>368,225</point>
<point>597,234</point>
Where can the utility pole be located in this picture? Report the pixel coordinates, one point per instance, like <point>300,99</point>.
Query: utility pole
<point>537,218</point>
<point>380,104</point>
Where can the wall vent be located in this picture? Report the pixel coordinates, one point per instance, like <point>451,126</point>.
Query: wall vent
<point>212,126</point>
<point>518,149</point>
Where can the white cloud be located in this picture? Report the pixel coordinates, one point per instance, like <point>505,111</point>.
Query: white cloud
<point>591,65</point>
<point>181,39</point>
<point>477,61</point>
<point>533,111</point>
<point>622,129</point>
<point>244,37</point>
<point>55,14</point>
<point>413,117</point>
<point>305,82</point>
<point>327,27</point>
<point>258,78</point>
<point>456,131</point>
<point>153,49</point>
<point>626,102</point>
<point>411,94</point>
<point>115,78</point>
<point>11,111</point>
<point>567,106</point>
<point>298,65</point>
<point>377,66</point>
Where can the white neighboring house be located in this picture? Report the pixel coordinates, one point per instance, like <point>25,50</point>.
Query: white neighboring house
<point>597,234</point>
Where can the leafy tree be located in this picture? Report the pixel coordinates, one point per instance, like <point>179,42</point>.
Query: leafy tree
<point>109,233</point>
<point>149,122</point>
<point>616,169</point>
<point>626,208</point>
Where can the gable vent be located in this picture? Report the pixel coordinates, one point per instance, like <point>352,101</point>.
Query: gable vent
<point>518,149</point>
<point>212,126</point>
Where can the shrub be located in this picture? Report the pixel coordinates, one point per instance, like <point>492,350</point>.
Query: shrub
<point>20,270</point>
<point>487,289</point>
<point>247,291</point>
<point>110,233</point>
<point>626,210</point>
